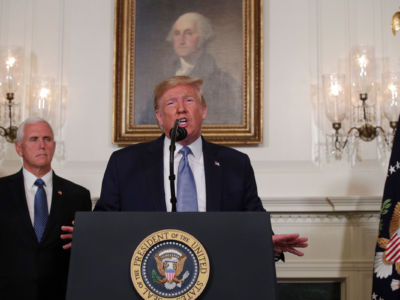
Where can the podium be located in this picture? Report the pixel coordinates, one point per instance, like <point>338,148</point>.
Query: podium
<point>238,245</point>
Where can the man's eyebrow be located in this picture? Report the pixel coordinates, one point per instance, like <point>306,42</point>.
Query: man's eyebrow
<point>189,95</point>
<point>36,137</point>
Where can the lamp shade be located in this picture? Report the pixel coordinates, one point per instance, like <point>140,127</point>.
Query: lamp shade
<point>11,70</point>
<point>334,95</point>
<point>363,73</point>
<point>391,97</point>
<point>42,97</point>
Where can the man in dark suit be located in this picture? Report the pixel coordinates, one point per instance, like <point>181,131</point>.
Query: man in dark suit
<point>136,178</point>
<point>34,203</point>
<point>229,179</point>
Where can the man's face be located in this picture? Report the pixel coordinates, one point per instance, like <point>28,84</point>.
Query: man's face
<point>186,38</point>
<point>182,102</point>
<point>37,147</point>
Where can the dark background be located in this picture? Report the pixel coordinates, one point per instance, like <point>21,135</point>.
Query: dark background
<point>309,291</point>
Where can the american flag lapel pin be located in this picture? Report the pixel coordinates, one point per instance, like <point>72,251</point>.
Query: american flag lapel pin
<point>59,192</point>
<point>217,163</point>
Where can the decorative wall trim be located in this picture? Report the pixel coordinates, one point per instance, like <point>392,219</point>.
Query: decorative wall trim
<point>322,204</point>
<point>306,266</point>
<point>329,218</point>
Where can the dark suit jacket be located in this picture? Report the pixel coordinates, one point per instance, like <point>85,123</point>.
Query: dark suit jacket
<point>29,269</point>
<point>134,179</point>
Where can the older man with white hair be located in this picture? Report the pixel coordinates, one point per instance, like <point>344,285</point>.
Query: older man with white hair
<point>190,36</point>
<point>34,204</point>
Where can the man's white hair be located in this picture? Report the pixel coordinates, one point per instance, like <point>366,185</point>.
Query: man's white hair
<point>204,27</point>
<point>31,120</point>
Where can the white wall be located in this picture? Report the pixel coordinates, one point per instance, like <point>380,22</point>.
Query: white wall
<point>74,40</point>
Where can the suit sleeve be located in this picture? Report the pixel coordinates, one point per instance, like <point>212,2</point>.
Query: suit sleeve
<point>253,202</point>
<point>110,191</point>
<point>251,198</point>
<point>86,203</point>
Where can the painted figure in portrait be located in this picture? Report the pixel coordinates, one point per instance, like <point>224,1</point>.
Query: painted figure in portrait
<point>191,46</point>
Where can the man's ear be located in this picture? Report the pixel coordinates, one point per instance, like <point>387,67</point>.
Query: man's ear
<point>18,148</point>
<point>158,117</point>
<point>204,113</point>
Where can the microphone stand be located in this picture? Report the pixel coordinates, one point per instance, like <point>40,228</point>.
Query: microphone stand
<point>177,134</point>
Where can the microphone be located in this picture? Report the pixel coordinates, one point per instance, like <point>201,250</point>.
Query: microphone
<point>177,134</point>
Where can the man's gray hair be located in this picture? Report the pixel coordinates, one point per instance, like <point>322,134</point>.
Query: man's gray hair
<point>203,26</point>
<point>31,120</point>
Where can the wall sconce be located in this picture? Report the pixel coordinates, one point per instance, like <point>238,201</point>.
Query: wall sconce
<point>10,82</point>
<point>38,97</point>
<point>361,113</point>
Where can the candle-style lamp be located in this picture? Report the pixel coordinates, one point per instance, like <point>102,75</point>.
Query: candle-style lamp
<point>42,96</point>
<point>9,86</point>
<point>391,98</point>
<point>335,105</point>
<point>363,97</point>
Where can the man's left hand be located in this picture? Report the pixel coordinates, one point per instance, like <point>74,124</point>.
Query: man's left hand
<point>288,243</point>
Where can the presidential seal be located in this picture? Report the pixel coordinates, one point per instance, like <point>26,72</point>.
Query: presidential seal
<point>170,264</point>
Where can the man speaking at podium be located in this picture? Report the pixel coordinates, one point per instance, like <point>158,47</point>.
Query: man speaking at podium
<point>210,177</point>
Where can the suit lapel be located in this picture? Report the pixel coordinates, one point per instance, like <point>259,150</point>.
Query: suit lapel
<point>56,206</point>
<point>213,172</point>
<point>154,170</point>
<point>18,187</point>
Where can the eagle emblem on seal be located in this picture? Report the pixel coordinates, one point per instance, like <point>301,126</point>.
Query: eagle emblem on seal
<point>170,264</point>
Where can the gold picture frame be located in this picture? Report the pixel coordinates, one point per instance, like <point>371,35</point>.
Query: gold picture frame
<point>139,30</point>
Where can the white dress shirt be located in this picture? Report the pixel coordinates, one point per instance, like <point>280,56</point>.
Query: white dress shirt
<point>31,189</point>
<point>196,163</point>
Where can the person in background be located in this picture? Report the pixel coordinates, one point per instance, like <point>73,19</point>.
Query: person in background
<point>34,204</point>
<point>190,36</point>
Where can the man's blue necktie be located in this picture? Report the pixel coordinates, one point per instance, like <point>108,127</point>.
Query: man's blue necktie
<point>41,211</point>
<point>187,195</point>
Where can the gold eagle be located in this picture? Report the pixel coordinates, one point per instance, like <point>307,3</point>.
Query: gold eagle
<point>178,266</point>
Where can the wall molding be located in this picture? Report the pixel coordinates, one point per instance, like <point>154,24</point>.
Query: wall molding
<point>323,204</point>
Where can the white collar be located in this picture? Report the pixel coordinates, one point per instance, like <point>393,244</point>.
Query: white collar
<point>30,179</point>
<point>196,147</point>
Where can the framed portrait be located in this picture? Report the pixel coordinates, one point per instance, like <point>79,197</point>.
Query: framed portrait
<point>219,41</point>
